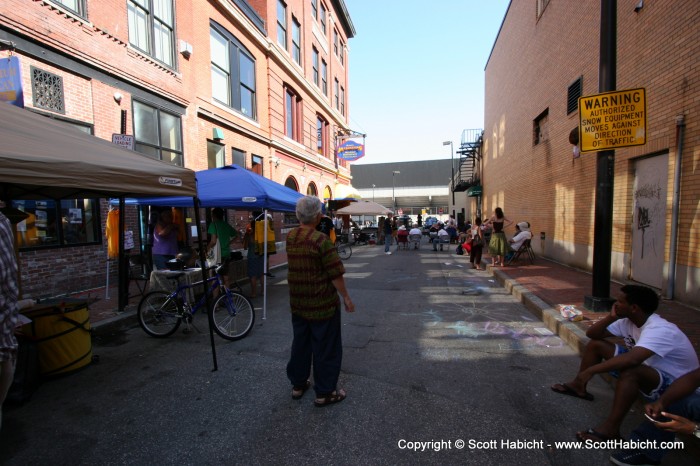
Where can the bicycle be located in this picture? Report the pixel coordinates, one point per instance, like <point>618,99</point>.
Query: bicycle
<point>160,313</point>
<point>344,249</point>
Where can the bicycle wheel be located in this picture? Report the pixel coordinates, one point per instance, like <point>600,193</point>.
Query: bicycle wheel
<point>233,316</point>
<point>344,250</point>
<point>158,314</point>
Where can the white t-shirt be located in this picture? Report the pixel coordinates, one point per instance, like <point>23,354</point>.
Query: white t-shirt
<point>415,231</point>
<point>443,232</point>
<point>519,239</point>
<point>673,352</point>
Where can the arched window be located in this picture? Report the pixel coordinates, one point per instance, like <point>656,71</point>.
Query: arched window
<point>311,190</point>
<point>291,183</point>
<point>327,193</point>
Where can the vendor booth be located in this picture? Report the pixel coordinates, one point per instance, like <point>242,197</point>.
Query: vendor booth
<point>234,187</point>
<point>42,158</point>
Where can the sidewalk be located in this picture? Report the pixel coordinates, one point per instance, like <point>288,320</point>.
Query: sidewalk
<point>545,285</point>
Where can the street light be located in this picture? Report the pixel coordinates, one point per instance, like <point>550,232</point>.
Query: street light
<point>373,186</point>
<point>452,163</point>
<point>393,183</point>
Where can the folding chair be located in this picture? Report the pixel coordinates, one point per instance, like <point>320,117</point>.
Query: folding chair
<point>415,241</point>
<point>402,239</point>
<point>139,273</point>
<point>525,249</point>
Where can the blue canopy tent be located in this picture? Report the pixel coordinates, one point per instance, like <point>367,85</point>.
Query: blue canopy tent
<point>231,186</point>
<point>234,187</point>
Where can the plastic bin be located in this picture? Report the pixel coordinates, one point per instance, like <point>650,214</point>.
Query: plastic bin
<point>61,330</point>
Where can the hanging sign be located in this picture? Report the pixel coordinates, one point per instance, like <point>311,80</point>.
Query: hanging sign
<point>11,82</point>
<point>351,151</point>
<point>612,120</point>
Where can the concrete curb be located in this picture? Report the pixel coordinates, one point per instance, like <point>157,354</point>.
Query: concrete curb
<point>567,331</point>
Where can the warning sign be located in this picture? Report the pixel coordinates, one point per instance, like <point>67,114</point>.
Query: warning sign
<point>612,120</point>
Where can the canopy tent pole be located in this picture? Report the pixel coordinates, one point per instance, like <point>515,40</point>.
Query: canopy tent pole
<point>123,288</point>
<point>207,295</point>
<point>265,264</point>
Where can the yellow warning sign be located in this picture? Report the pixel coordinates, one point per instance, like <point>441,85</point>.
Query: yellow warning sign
<point>612,120</point>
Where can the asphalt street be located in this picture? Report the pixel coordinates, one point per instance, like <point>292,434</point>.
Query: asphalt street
<point>441,366</point>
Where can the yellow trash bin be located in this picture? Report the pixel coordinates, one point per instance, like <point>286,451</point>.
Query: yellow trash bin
<point>61,329</point>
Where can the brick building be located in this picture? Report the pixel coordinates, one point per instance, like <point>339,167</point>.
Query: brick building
<point>198,83</point>
<point>546,56</point>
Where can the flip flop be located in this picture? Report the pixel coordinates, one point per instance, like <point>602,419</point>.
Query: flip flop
<point>298,392</point>
<point>336,396</point>
<point>566,390</point>
<point>595,436</point>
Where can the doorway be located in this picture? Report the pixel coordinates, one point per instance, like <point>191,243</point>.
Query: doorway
<point>649,220</point>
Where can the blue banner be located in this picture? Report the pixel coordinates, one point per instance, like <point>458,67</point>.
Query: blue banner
<point>11,82</point>
<point>351,151</point>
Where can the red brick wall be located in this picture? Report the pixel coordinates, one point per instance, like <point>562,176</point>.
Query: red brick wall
<point>531,66</point>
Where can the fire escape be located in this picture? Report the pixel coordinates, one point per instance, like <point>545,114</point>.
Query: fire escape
<point>468,176</point>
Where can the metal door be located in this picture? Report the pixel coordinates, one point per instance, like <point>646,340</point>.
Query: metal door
<point>649,220</point>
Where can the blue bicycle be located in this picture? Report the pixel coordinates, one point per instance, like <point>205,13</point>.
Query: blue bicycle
<point>160,313</point>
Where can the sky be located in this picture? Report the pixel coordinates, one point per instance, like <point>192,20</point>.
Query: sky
<point>417,74</point>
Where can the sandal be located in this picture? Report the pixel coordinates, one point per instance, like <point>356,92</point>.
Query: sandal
<point>336,396</point>
<point>298,391</point>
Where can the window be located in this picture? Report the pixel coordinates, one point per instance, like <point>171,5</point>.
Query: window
<point>314,53</point>
<point>341,53</point>
<point>541,5</point>
<point>335,42</point>
<point>216,155</point>
<point>323,18</point>
<point>282,24</point>
<point>342,101</point>
<point>336,93</point>
<point>296,41</point>
<point>292,115</point>
<point>76,6</point>
<point>291,183</point>
<point>321,136</point>
<point>47,90</point>
<point>232,72</point>
<point>311,190</point>
<point>257,164</point>
<point>540,128</point>
<point>572,96</point>
<point>57,223</point>
<point>151,28</point>
<point>324,77</point>
<point>314,9</point>
<point>158,133</point>
<point>238,157</point>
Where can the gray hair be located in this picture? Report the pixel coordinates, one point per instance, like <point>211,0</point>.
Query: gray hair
<point>308,208</point>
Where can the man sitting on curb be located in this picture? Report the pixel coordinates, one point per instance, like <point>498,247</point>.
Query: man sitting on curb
<point>655,353</point>
<point>682,398</point>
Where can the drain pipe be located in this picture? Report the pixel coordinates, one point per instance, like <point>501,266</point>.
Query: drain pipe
<point>680,131</point>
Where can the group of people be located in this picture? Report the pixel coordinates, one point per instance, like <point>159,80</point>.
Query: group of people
<point>656,360</point>
<point>165,245</point>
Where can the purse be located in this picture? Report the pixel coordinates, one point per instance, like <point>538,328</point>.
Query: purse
<point>477,241</point>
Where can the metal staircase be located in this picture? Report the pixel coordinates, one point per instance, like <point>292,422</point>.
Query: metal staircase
<point>468,172</point>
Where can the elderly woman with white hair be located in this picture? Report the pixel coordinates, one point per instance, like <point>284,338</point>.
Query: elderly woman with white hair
<point>315,276</point>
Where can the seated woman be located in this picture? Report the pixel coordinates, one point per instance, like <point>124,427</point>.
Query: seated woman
<point>402,237</point>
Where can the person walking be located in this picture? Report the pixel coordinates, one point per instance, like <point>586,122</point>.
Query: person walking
<point>477,243</point>
<point>315,276</point>
<point>387,236</point>
<point>9,292</point>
